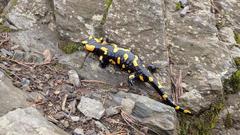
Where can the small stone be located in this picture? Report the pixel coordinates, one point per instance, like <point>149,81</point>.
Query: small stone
<point>75,118</point>
<point>102,127</point>
<point>91,108</point>
<point>74,78</point>
<point>6,52</point>
<point>78,131</point>
<point>184,11</point>
<point>56,92</point>
<point>112,111</point>
<point>127,105</point>
<point>65,123</point>
<point>1,75</point>
<point>25,82</point>
<point>59,115</point>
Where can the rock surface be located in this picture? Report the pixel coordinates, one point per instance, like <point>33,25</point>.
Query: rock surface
<point>157,116</point>
<point>76,19</point>
<point>27,121</point>
<point>91,108</point>
<point>11,97</point>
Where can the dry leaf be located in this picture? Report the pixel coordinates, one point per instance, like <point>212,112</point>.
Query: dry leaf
<point>47,56</point>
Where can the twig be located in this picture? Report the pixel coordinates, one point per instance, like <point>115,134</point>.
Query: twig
<point>15,61</point>
<point>93,81</point>
<point>128,119</point>
<point>64,102</point>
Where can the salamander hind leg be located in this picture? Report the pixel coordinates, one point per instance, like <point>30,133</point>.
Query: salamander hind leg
<point>131,79</point>
<point>103,62</point>
<point>152,68</point>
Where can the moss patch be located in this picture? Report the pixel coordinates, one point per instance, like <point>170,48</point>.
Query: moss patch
<point>107,5</point>
<point>203,124</point>
<point>232,85</point>
<point>228,121</point>
<point>237,62</point>
<point>237,37</point>
<point>69,47</point>
<point>179,6</point>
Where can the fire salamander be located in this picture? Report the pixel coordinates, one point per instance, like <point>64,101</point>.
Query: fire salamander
<point>109,53</point>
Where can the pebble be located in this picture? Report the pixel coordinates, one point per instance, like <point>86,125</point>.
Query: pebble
<point>74,78</point>
<point>91,108</point>
<point>75,118</point>
<point>127,105</point>
<point>112,111</point>
<point>78,131</point>
<point>102,127</point>
<point>59,115</point>
<point>25,82</point>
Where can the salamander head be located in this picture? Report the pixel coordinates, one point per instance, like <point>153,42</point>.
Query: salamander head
<point>91,44</point>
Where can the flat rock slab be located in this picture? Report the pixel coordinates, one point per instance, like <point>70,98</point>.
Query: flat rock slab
<point>157,116</point>
<point>27,121</point>
<point>11,97</point>
<point>91,108</point>
<point>77,18</point>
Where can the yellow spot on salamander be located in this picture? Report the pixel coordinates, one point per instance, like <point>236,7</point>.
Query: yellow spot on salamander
<point>131,76</point>
<point>89,47</point>
<point>187,111</point>
<point>98,40</point>
<point>129,71</point>
<point>90,37</point>
<point>118,60</point>
<point>115,49</point>
<point>112,61</point>
<point>141,78</point>
<point>150,79</point>
<point>101,58</point>
<point>84,42</point>
<point>114,45</point>
<point>177,107</point>
<point>135,63</point>
<point>164,96</point>
<point>105,50</point>
<point>125,56</point>
<point>123,66</point>
<point>160,85</point>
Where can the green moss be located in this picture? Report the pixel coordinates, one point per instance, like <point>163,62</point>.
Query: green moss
<point>107,5</point>
<point>4,28</point>
<point>228,122</point>
<point>179,6</point>
<point>235,81</point>
<point>70,47</point>
<point>237,62</point>
<point>203,124</point>
<point>237,37</point>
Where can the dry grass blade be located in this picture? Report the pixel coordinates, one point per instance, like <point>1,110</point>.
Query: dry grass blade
<point>93,81</point>
<point>64,102</point>
<point>119,132</point>
<point>131,122</point>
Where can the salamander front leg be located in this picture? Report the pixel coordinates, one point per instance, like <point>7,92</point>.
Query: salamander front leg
<point>152,68</point>
<point>103,62</point>
<point>131,79</point>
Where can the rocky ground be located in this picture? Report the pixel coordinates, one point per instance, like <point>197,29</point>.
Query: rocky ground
<point>49,85</point>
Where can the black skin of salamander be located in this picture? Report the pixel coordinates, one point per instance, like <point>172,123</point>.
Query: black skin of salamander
<point>135,71</point>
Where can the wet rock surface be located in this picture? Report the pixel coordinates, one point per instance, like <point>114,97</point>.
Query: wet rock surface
<point>27,121</point>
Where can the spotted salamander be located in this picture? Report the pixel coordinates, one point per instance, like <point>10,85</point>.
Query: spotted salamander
<point>109,53</point>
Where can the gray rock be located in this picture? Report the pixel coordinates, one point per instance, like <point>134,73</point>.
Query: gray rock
<point>91,108</point>
<point>127,105</point>
<point>75,118</point>
<point>102,127</point>
<point>157,116</point>
<point>77,18</point>
<point>11,97</point>
<point>74,78</point>
<point>27,121</point>
<point>227,35</point>
<point>78,131</point>
<point>112,111</point>
<point>5,52</point>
